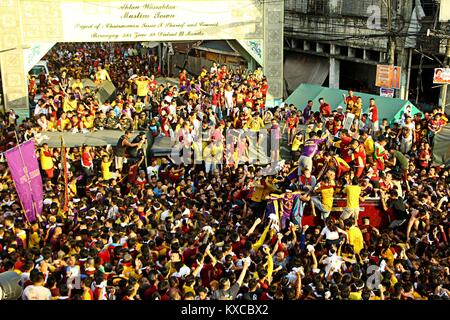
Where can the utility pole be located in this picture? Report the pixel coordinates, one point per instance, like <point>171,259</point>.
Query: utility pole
<point>446,64</point>
<point>391,38</point>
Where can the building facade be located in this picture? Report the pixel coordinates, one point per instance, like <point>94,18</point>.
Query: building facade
<point>339,43</point>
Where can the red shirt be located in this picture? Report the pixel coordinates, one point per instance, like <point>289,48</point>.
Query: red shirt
<point>374,112</point>
<point>86,159</point>
<point>325,109</point>
<point>149,292</point>
<point>345,142</point>
<point>264,89</point>
<point>206,274</point>
<point>182,78</point>
<point>354,98</point>
<point>360,153</point>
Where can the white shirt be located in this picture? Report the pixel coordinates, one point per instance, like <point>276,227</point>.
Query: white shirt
<point>409,126</point>
<point>152,171</point>
<point>229,98</point>
<point>329,235</point>
<point>33,292</point>
<point>104,108</point>
<point>24,277</point>
<point>333,263</point>
<point>38,110</point>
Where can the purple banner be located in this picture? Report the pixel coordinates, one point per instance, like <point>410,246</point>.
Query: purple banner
<point>24,168</point>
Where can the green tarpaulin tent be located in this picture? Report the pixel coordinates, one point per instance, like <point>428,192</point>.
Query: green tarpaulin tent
<point>389,108</point>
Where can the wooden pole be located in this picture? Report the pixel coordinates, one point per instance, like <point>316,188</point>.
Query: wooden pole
<point>64,168</point>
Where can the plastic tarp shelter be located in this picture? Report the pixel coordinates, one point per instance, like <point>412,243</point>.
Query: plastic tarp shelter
<point>441,148</point>
<point>390,108</point>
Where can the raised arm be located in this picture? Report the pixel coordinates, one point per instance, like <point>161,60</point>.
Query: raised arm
<point>213,259</point>
<point>197,270</point>
<point>240,280</point>
<point>261,240</point>
<point>252,229</point>
<point>298,288</point>
<point>269,263</point>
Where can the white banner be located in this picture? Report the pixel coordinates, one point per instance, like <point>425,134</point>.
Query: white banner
<point>349,120</point>
<point>162,20</point>
<point>444,11</point>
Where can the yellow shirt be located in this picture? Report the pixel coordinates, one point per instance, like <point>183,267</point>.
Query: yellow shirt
<point>64,123</point>
<point>198,156</point>
<point>105,170</point>
<point>73,187</point>
<point>69,105</point>
<point>261,240</point>
<point>355,238</point>
<point>256,124</point>
<point>369,145</point>
<point>327,198</point>
<point>353,193</point>
<point>89,122</point>
<point>187,289</point>
<point>389,256</point>
<point>34,240</point>
<point>142,87</point>
<point>355,296</point>
<point>262,191</point>
<point>86,295</point>
<point>46,162</point>
<point>207,153</point>
<point>193,95</point>
<point>296,144</point>
<point>52,125</point>
<point>77,85</point>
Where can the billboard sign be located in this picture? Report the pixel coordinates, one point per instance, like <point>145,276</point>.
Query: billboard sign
<point>441,76</point>
<point>388,76</point>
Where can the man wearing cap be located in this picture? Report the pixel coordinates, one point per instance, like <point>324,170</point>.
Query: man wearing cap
<point>339,116</point>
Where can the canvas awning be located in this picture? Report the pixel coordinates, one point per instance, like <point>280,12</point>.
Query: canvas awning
<point>218,46</point>
<point>390,108</point>
<point>303,68</point>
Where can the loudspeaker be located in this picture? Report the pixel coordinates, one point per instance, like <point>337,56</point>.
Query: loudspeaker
<point>10,289</point>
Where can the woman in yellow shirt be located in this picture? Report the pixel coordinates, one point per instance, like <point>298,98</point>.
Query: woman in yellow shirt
<point>70,103</point>
<point>106,173</point>
<point>88,122</point>
<point>52,124</point>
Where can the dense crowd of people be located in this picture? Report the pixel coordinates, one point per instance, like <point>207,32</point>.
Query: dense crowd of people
<point>153,229</point>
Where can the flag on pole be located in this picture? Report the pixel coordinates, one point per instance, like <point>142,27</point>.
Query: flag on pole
<point>23,165</point>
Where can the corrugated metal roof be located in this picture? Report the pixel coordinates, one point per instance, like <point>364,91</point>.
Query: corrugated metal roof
<point>218,46</point>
